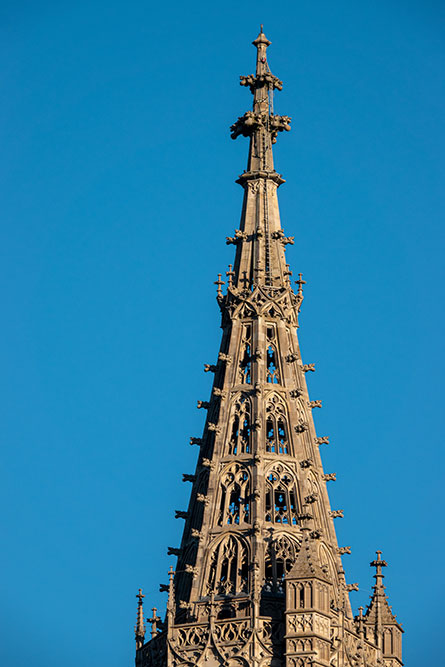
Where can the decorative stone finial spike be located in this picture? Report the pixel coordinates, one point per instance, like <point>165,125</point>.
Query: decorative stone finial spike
<point>300,282</point>
<point>219,283</point>
<point>230,273</point>
<point>171,593</point>
<point>378,564</point>
<point>139,628</point>
<point>154,620</point>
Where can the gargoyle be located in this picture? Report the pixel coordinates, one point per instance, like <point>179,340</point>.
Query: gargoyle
<point>210,368</point>
<point>309,367</point>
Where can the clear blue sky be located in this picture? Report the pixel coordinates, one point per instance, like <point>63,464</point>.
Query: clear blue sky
<point>117,192</point>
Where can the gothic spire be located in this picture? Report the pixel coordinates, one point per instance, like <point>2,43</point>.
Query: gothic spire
<point>259,577</point>
<point>260,240</point>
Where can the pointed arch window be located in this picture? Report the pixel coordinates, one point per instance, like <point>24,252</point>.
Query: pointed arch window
<point>280,557</point>
<point>277,439</point>
<point>281,498</point>
<point>234,506</point>
<point>240,437</point>
<point>272,365</point>
<point>245,360</point>
<point>228,569</point>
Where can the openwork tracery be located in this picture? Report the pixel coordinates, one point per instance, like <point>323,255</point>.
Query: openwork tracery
<point>240,437</point>
<point>281,496</point>
<point>228,568</point>
<point>272,367</point>
<point>280,557</point>
<point>277,438</point>
<point>234,506</point>
<point>245,359</point>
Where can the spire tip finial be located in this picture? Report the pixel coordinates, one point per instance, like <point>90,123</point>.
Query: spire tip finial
<point>261,39</point>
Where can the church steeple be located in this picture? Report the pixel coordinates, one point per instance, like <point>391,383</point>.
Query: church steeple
<point>259,528</point>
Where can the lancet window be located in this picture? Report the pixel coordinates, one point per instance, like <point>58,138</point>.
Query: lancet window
<point>245,360</point>
<point>387,642</point>
<point>241,434</point>
<point>234,507</point>
<point>301,595</point>
<point>272,367</point>
<point>281,497</point>
<point>276,427</point>
<point>228,568</point>
<point>280,557</point>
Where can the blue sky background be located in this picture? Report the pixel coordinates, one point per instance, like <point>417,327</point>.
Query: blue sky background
<point>117,192</point>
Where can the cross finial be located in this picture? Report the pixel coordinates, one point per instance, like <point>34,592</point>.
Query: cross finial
<point>245,280</point>
<point>154,620</point>
<point>220,283</point>
<point>378,564</point>
<point>300,282</point>
<point>230,273</point>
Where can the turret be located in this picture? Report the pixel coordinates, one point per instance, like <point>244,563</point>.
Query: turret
<point>308,599</point>
<point>381,626</point>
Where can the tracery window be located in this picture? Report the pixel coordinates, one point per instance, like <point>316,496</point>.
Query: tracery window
<point>228,569</point>
<point>281,497</point>
<point>240,437</point>
<point>276,427</point>
<point>234,507</point>
<point>280,557</point>
<point>245,360</point>
<point>272,368</point>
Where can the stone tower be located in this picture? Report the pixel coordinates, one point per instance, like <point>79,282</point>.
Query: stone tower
<point>259,579</point>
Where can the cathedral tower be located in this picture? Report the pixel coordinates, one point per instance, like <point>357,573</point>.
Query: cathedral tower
<point>259,579</point>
